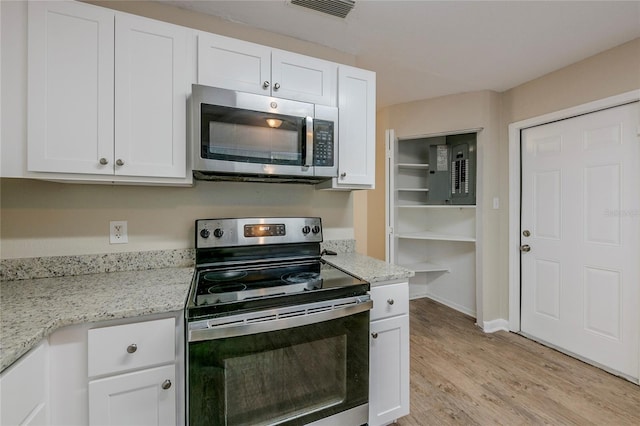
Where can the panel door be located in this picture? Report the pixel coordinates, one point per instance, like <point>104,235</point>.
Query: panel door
<point>580,207</point>
<point>136,398</point>
<point>303,78</point>
<point>150,98</point>
<point>234,64</point>
<point>70,96</point>
<point>357,126</point>
<point>389,367</point>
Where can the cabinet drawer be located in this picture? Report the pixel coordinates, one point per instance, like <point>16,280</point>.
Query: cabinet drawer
<point>389,300</point>
<point>131,346</point>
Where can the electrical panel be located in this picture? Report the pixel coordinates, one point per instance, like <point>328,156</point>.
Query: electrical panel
<point>452,169</point>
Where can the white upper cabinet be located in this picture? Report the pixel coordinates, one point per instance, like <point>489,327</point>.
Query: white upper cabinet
<point>70,88</point>
<point>248,67</point>
<point>107,94</point>
<point>357,129</point>
<point>150,98</point>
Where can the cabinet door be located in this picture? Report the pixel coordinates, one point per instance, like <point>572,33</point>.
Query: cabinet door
<point>357,127</point>
<point>70,88</point>
<point>389,370</point>
<point>151,88</point>
<point>303,78</point>
<point>233,64</point>
<point>23,390</point>
<point>136,398</point>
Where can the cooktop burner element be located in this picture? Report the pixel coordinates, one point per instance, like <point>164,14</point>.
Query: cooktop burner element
<point>251,264</point>
<point>300,277</point>
<point>226,288</point>
<point>221,276</point>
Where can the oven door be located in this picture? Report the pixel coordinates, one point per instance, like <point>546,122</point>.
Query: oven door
<point>291,366</point>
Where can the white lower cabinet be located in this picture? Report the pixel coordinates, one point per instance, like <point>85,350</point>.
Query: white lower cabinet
<point>24,390</point>
<point>145,397</point>
<point>132,374</point>
<point>389,356</point>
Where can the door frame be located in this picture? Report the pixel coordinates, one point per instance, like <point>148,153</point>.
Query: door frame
<point>515,174</point>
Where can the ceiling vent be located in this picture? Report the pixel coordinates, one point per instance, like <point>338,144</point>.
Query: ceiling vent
<point>339,8</point>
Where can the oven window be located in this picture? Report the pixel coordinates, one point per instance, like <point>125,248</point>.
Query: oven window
<point>249,136</point>
<point>292,376</point>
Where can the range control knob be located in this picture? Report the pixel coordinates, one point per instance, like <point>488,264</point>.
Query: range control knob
<point>205,233</point>
<point>218,233</point>
<point>315,229</point>
<point>306,229</point>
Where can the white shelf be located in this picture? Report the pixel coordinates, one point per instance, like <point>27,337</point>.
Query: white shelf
<point>429,235</point>
<point>426,267</point>
<point>413,166</point>
<point>437,206</point>
<point>413,189</point>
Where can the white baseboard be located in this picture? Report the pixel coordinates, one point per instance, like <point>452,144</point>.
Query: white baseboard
<point>495,325</point>
<point>452,305</point>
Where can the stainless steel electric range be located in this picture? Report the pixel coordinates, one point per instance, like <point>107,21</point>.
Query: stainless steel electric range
<point>276,335</point>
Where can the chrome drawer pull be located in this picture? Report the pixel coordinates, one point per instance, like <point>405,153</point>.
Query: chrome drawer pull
<point>166,384</point>
<point>374,335</point>
<point>132,348</point>
<point>390,301</point>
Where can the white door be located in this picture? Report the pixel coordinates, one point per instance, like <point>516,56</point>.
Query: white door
<point>70,96</point>
<point>234,64</point>
<point>581,220</point>
<point>303,78</point>
<point>357,127</point>
<point>141,398</point>
<point>151,88</point>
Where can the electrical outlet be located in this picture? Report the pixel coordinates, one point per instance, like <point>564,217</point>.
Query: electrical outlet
<point>118,232</point>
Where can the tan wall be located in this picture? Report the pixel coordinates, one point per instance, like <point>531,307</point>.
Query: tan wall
<point>609,73</point>
<point>46,219</point>
<point>448,114</point>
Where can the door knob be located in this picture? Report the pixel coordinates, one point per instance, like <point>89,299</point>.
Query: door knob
<point>276,86</point>
<point>266,84</point>
<point>526,248</point>
<point>166,384</point>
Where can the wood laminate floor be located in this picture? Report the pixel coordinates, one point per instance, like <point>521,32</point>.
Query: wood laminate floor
<point>462,376</point>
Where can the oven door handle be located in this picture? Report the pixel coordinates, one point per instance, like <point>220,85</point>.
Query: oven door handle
<point>274,320</point>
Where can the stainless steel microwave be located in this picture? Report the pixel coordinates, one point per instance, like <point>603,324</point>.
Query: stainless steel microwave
<point>247,137</point>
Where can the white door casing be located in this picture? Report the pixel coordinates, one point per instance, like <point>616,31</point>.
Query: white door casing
<point>579,194</point>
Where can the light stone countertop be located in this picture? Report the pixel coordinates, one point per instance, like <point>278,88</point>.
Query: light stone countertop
<point>369,269</point>
<point>32,309</point>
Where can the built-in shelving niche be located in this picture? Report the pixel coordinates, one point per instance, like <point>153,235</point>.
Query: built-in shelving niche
<point>436,239</point>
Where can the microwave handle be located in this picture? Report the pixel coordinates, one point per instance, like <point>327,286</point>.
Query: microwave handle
<point>308,161</point>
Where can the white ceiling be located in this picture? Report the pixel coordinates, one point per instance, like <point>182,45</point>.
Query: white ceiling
<point>424,49</point>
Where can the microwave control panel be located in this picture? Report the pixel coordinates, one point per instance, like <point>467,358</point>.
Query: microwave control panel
<point>323,147</point>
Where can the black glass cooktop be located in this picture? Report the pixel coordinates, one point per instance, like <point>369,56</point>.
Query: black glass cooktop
<point>224,290</point>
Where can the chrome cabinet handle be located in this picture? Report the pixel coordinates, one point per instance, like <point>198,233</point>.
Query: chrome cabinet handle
<point>374,335</point>
<point>166,384</point>
<point>266,85</point>
<point>276,86</point>
<point>343,175</point>
<point>104,161</point>
<point>390,301</point>
<point>119,162</point>
<point>526,248</point>
<point>132,348</point>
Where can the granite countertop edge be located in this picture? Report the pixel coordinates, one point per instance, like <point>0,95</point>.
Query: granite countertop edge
<point>32,309</point>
